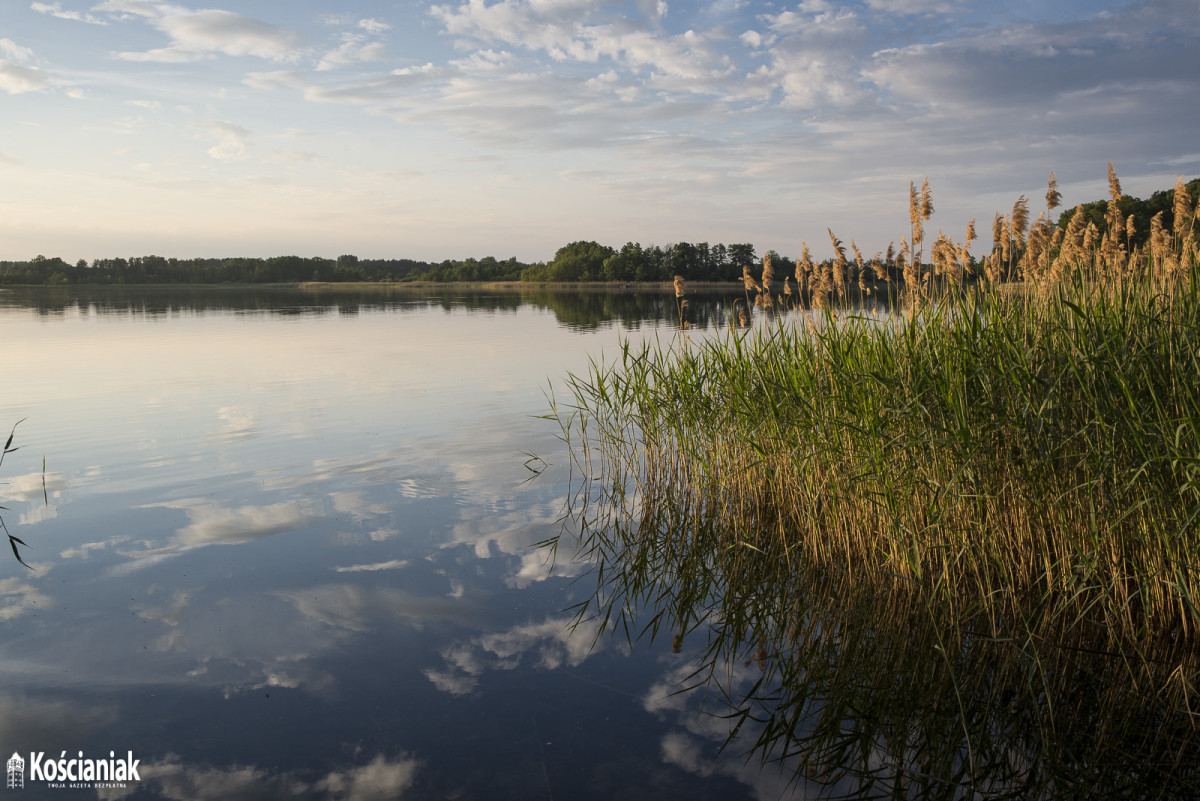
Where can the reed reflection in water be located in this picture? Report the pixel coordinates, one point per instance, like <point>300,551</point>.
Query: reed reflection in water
<point>868,688</point>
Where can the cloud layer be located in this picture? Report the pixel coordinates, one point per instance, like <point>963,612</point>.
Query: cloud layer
<point>656,122</point>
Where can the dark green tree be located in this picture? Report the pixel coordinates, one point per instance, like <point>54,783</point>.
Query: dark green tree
<point>579,261</point>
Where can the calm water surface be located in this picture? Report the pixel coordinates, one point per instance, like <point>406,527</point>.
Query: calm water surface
<point>283,549</point>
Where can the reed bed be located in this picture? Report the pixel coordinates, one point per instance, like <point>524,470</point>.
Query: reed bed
<point>987,500</point>
<point>1022,443</point>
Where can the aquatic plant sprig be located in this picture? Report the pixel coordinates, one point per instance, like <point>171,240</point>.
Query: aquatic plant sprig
<point>13,540</point>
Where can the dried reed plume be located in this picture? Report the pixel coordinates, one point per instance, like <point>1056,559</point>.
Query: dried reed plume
<point>1183,212</point>
<point>805,264</point>
<point>748,280</point>
<point>680,302</point>
<point>743,316</point>
<point>1053,197</point>
<point>910,270</point>
<point>879,267</point>
<point>1158,242</point>
<point>1019,222</point>
<point>914,213</point>
<point>768,277</point>
<point>838,269</point>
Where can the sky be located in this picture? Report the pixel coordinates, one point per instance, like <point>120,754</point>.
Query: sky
<point>447,130</point>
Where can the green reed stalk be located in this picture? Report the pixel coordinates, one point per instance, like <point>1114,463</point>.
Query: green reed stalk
<point>992,447</point>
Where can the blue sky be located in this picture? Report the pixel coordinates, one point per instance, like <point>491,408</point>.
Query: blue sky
<point>511,127</point>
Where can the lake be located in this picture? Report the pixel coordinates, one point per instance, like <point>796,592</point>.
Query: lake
<point>283,546</point>
<point>285,543</point>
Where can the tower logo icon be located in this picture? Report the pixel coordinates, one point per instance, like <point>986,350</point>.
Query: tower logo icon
<point>16,772</point>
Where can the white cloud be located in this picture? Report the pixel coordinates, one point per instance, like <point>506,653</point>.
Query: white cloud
<point>237,422</point>
<point>197,35</point>
<point>126,8</point>
<point>34,487</point>
<point>354,49</point>
<point>910,7</point>
<point>18,597</point>
<point>11,50</point>
<point>17,80</point>
<point>171,613</point>
<point>56,10</point>
<point>84,550</point>
<point>373,25</point>
<point>375,90</point>
<point>378,780</point>
<point>686,752</point>
<point>391,564</point>
<point>353,608</point>
<point>230,138</point>
<point>213,525</point>
<point>544,27</point>
<point>549,645</point>
<point>448,681</point>
<point>355,504</point>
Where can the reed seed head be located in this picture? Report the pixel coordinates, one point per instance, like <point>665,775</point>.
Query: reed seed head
<point>838,247</point>
<point>1019,221</point>
<point>1158,236</point>
<point>1053,197</point>
<point>1182,207</point>
<point>1114,185</point>
<point>748,280</point>
<point>879,267</point>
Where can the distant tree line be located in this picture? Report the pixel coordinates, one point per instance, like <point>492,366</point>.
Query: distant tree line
<point>590,261</point>
<point>1141,212</point>
<point>578,261</point>
<point>241,270</point>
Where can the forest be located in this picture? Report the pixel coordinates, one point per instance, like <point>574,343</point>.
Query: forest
<point>576,261</point>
